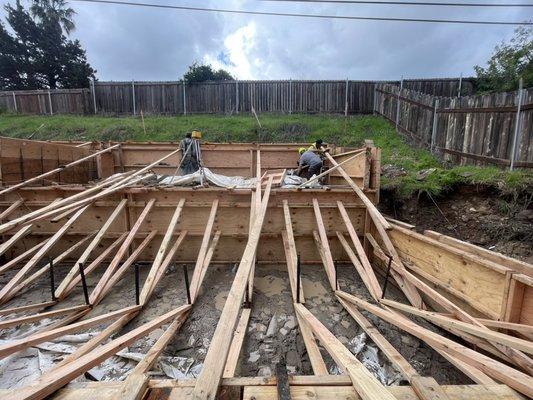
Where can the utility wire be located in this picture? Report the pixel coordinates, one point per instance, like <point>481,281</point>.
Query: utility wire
<point>279,14</point>
<point>408,3</point>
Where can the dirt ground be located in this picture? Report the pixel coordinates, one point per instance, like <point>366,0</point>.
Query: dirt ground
<point>478,215</point>
<point>272,331</point>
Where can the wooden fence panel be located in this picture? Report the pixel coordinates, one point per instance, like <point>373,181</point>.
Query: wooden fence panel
<point>58,101</point>
<point>469,130</point>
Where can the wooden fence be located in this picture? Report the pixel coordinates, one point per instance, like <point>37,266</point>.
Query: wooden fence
<point>56,101</point>
<point>468,130</point>
<point>228,97</point>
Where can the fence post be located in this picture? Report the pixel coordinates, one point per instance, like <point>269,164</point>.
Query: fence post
<point>93,87</point>
<point>517,125</point>
<point>290,96</point>
<point>184,98</point>
<point>375,99</point>
<point>50,102</point>
<point>133,96</point>
<point>398,104</point>
<point>460,85</point>
<point>434,127</point>
<point>236,96</point>
<point>15,102</point>
<point>346,99</point>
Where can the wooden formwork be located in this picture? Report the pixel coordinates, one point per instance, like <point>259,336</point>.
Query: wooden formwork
<point>481,297</point>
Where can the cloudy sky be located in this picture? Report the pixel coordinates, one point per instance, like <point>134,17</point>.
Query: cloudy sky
<point>125,43</point>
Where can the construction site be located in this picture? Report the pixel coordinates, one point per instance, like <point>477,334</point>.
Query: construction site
<point>121,278</point>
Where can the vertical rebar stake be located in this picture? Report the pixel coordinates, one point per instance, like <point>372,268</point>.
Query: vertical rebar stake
<point>386,278</point>
<point>186,277</point>
<point>52,281</point>
<point>336,275</point>
<point>137,301</point>
<point>298,273</point>
<point>84,284</point>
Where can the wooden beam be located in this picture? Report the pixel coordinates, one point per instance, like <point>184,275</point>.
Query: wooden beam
<point>4,293</point>
<point>198,268</point>
<point>15,310</point>
<point>94,264</point>
<point>364,383</point>
<point>166,262</point>
<point>127,264</point>
<point>497,370</point>
<point>291,254</point>
<point>209,255</point>
<point>209,379</point>
<point>15,238</point>
<point>41,388</point>
<point>254,208</point>
<point>136,383</point>
<point>35,317</point>
<point>41,337</point>
<point>313,352</point>
<point>87,252</point>
<point>363,259</point>
<point>236,344</point>
<point>56,170</point>
<point>372,210</point>
<point>482,332</point>
<point>12,208</point>
<point>162,251</point>
<point>46,267</point>
<point>324,246</point>
<point>95,295</point>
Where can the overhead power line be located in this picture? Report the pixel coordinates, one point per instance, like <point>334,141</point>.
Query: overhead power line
<point>281,14</point>
<point>408,3</point>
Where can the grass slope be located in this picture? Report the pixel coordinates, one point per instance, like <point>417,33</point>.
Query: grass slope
<point>405,161</point>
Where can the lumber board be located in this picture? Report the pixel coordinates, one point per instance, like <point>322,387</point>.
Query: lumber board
<point>15,310</point>
<point>24,343</point>
<point>136,383</point>
<point>87,252</point>
<point>41,388</point>
<point>364,383</point>
<point>11,209</point>
<point>208,257</point>
<point>291,254</point>
<point>236,344</point>
<point>324,246</point>
<point>11,263</point>
<point>35,317</point>
<point>161,252</point>
<point>495,369</point>
<point>209,379</point>
<point>5,246</point>
<point>313,352</point>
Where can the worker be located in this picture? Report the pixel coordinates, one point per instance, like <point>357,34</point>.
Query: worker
<point>189,156</point>
<point>317,145</point>
<point>310,163</point>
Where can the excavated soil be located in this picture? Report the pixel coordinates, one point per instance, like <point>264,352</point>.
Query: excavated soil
<point>478,215</point>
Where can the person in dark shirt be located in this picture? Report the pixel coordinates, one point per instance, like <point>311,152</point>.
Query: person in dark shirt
<point>189,164</point>
<point>310,164</point>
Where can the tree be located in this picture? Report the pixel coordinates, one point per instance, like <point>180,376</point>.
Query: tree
<point>38,55</point>
<point>510,62</point>
<point>203,73</point>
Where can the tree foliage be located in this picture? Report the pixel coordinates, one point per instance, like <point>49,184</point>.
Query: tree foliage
<point>203,73</point>
<point>38,55</point>
<point>510,62</point>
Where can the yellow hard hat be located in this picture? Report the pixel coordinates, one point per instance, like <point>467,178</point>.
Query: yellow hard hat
<point>302,150</point>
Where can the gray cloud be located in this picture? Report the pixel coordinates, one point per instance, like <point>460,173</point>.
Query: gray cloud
<point>125,43</point>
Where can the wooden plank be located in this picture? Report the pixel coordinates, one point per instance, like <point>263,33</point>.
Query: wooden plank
<point>324,244</point>
<point>453,392</point>
<point>161,252</point>
<point>209,379</point>
<point>87,252</point>
<point>95,295</point>
<point>6,290</point>
<point>15,310</point>
<point>15,238</point>
<point>236,344</point>
<point>373,211</point>
<point>516,343</point>
<point>313,352</point>
<point>20,344</point>
<point>95,263</point>
<point>208,256</point>
<point>136,383</point>
<point>11,209</point>
<point>198,268</point>
<point>497,370</point>
<point>364,383</point>
<point>41,388</point>
<point>35,317</point>
<point>16,260</point>
<point>508,262</point>
<point>55,171</point>
<point>291,253</point>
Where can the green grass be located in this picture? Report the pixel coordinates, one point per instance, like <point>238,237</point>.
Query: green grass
<point>276,128</point>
